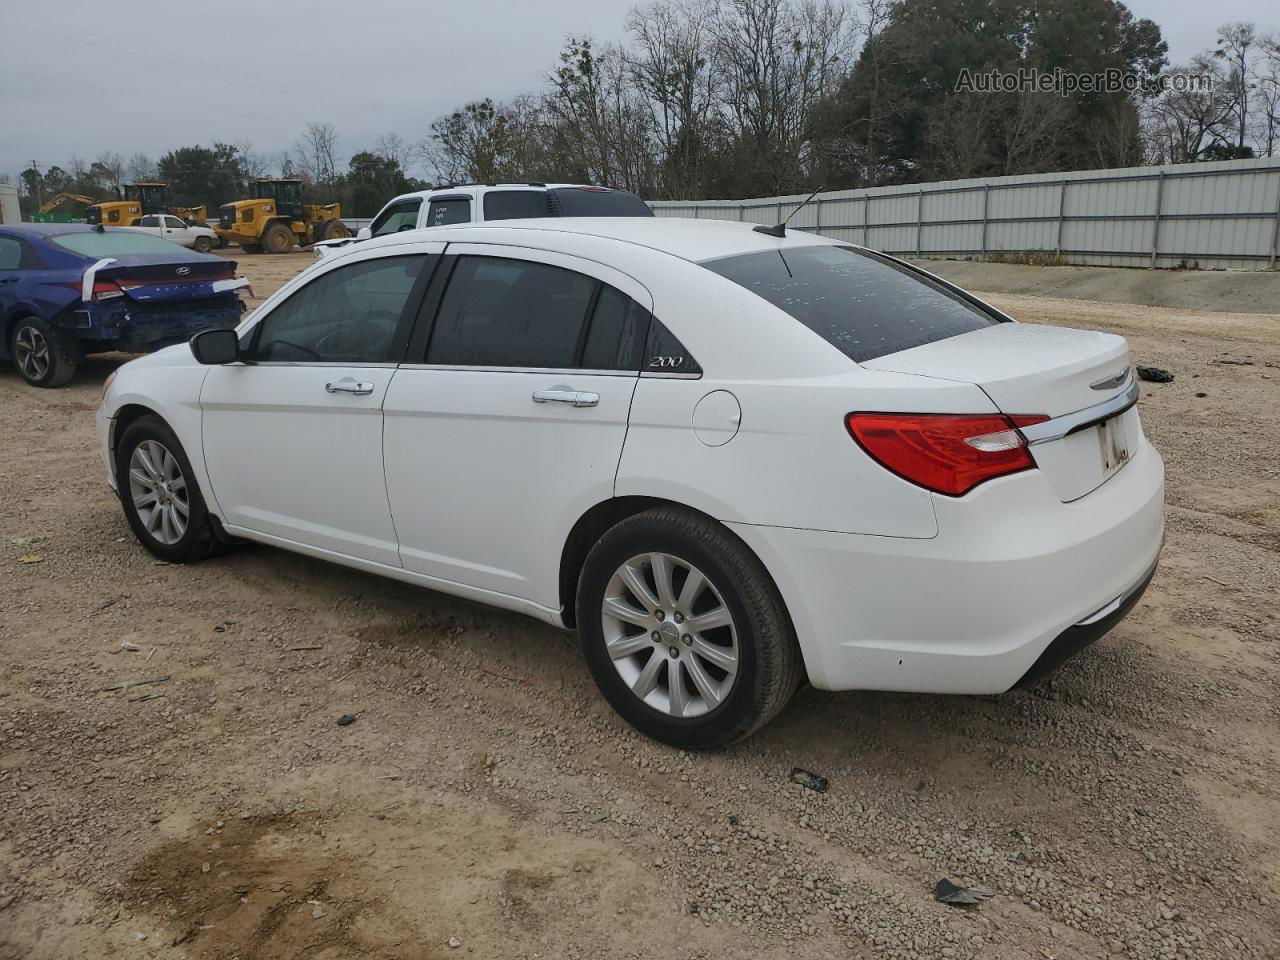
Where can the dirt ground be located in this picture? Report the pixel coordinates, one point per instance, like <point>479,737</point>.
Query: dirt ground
<point>486,802</point>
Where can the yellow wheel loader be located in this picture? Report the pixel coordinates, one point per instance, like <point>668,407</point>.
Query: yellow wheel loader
<point>275,218</point>
<point>140,200</point>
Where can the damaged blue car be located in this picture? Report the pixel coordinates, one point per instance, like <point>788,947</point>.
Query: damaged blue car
<point>68,290</point>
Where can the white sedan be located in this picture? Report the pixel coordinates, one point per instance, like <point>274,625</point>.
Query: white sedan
<point>731,460</point>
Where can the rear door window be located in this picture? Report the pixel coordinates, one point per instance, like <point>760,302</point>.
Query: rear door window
<point>447,210</point>
<point>500,312</point>
<point>616,336</point>
<point>863,305</point>
<point>10,253</point>
<point>596,202</point>
<point>397,217</point>
<point>515,204</point>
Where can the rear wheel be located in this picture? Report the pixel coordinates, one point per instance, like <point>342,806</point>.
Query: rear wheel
<point>277,239</point>
<point>334,230</point>
<point>159,494</point>
<point>41,355</point>
<point>684,631</point>
<point>203,244</point>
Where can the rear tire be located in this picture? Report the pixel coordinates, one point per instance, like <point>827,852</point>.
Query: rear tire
<point>41,354</point>
<point>277,239</point>
<point>159,494</point>
<point>334,230</point>
<point>738,663</point>
<point>203,245</point>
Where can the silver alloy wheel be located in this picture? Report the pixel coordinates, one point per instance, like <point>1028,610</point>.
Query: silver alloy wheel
<point>31,351</point>
<point>670,635</point>
<point>159,492</point>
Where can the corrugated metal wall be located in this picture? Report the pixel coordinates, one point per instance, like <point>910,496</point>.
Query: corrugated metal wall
<point>1223,215</point>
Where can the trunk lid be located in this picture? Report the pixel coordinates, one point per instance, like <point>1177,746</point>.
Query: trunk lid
<point>145,280</point>
<point>1053,371</point>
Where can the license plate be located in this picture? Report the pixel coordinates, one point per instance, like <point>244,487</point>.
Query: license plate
<point>1113,444</point>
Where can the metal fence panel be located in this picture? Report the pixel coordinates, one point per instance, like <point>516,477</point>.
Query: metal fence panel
<point>1208,215</point>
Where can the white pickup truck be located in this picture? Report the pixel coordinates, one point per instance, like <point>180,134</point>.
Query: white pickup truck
<point>169,227</point>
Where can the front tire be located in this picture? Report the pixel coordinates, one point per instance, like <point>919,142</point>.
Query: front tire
<point>203,244</point>
<point>684,631</point>
<point>158,491</point>
<point>41,354</point>
<point>277,239</point>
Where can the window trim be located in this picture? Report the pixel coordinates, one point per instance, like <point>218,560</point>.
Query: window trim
<point>405,325</point>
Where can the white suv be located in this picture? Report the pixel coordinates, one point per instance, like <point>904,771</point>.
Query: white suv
<point>480,202</point>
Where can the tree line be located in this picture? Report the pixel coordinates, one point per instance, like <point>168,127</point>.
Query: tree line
<point>742,98</point>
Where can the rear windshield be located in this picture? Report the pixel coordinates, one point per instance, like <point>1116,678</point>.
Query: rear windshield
<point>597,202</point>
<point>862,305</point>
<point>114,243</point>
<point>515,204</point>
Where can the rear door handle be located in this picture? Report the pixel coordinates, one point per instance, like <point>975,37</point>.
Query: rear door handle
<point>576,398</point>
<point>361,388</point>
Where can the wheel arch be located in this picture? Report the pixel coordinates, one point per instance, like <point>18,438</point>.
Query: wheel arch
<point>126,415</point>
<point>593,524</point>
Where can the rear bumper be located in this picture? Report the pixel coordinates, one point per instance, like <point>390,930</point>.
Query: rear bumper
<point>1075,638</point>
<point>142,327</point>
<point>1012,574</point>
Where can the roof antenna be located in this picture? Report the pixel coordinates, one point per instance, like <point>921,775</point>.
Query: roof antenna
<point>779,230</point>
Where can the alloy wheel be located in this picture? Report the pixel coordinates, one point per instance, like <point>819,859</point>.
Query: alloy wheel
<point>670,635</point>
<point>31,350</point>
<point>159,492</point>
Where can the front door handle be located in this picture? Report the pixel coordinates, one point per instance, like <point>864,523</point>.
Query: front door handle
<point>361,388</point>
<point>576,398</point>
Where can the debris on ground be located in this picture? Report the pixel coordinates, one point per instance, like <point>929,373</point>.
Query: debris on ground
<point>454,943</point>
<point>346,720</point>
<point>1155,375</point>
<point>807,778</point>
<point>947,892</point>
<point>29,558</point>
<point>126,684</point>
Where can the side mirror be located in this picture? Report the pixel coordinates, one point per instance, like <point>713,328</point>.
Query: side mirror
<point>214,347</point>
<point>364,233</point>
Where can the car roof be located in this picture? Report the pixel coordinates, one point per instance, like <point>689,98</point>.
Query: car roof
<point>697,241</point>
<point>46,229</point>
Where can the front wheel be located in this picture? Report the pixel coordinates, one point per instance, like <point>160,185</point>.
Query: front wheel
<point>203,244</point>
<point>277,239</point>
<point>684,631</point>
<point>158,491</point>
<point>40,354</point>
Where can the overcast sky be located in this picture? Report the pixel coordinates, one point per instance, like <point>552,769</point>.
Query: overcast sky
<point>148,75</point>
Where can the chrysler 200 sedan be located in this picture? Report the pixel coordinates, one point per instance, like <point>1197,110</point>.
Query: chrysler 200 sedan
<point>731,460</point>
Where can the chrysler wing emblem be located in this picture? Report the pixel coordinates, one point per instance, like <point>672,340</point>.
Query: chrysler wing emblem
<point>1109,382</point>
<point>183,271</point>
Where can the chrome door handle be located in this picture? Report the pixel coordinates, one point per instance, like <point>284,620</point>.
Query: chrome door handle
<point>361,388</point>
<point>577,398</point>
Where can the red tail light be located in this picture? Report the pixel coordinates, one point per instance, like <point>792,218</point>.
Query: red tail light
<point>946,453</point>
<point>105,290</point>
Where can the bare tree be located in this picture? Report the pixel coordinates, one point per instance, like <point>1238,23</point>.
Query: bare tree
<point>252,163</point>
<point>394,149</point>
<point>779,60</point>
<point>1237,44</point>
<point>1266,97</point>
<point>672,65</point>
<point>140,167</point>
<point>1185,121</point>
<point>316,150</point>
<point>110,168</point>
